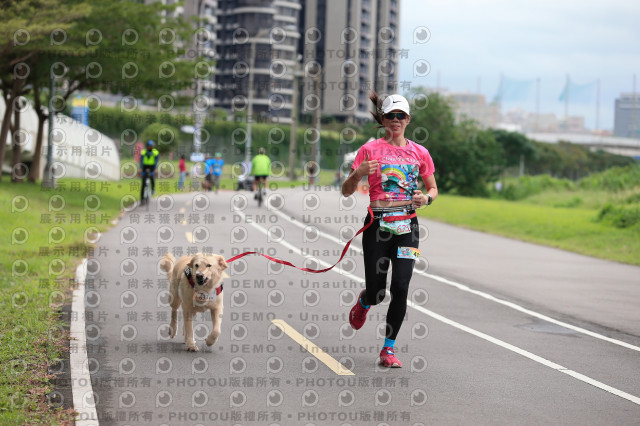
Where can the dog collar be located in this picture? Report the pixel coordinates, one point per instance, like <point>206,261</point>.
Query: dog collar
<point>187,273</point>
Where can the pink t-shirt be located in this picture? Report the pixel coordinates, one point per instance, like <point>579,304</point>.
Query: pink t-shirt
<point>399,167</point>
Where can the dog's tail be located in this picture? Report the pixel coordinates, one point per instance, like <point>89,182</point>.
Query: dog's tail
<point>166,264</point>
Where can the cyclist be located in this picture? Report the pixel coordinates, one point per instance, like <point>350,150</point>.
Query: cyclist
<point>148,163</point>
<point>260,169</point>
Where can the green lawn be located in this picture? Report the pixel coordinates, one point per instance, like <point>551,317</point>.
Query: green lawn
<point>45,235</point>
<point>570,228</point>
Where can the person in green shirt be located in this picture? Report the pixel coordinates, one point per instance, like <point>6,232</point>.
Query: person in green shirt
<point>260,169</point>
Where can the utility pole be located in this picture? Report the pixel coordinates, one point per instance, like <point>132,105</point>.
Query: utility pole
<point>566,102</point>
<point>315,146</point>
<point>48,179</point>
<point>252,54</point>
<point>537,120</point>
<point>598,107</point>
<point>198,119</point>
<point>633,109</point>
<point>294,121</point>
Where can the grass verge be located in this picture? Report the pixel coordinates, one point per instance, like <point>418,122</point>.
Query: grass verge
<point>574,229</point>
<point>45,235</point>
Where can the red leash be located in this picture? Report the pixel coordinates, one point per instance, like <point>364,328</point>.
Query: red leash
<point>315,271</point>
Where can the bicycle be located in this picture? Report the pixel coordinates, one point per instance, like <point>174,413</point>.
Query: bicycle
<point>146,194</point>
<point>259,194</point>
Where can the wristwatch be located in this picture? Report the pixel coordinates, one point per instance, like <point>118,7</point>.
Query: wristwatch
<point>430,199</point>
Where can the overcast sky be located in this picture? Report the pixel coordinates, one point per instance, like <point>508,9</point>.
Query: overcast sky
<point>473,41</point>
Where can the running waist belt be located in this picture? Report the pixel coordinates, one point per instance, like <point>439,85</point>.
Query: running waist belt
<point>315,271</point>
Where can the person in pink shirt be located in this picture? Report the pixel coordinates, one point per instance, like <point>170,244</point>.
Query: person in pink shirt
<point>183,171</point>
<point>392,165</point>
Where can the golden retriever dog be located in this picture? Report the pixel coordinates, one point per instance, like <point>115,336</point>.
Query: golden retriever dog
<point>196,283</point>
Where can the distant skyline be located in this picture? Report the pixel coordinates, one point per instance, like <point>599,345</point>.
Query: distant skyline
<point>472,43</point>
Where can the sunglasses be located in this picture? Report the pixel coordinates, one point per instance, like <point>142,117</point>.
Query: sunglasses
<point>398,115</point>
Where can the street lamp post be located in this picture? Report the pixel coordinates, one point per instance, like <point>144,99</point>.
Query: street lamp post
<point>294,120</point>
<point>315,147</point>
<point>252,54</point>
<point>197,114</point>
<point>49,180</point>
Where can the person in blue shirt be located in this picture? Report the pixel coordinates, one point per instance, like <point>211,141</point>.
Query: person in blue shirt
<point>213,170</point>
<point>148,164</point>
<point>216,170</point>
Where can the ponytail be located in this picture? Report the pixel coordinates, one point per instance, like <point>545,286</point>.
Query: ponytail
<point>377,107</point>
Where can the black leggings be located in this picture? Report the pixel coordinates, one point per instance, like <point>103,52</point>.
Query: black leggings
<point>380,249</point>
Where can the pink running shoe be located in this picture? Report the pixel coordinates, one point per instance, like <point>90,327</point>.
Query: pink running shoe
<point>358,314</point>
<point>388,358</point>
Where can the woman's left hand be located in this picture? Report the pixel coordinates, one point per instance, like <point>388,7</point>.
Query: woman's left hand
<point>419,199</point>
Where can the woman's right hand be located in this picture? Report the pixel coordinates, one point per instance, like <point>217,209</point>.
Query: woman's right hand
<point>367,167</point>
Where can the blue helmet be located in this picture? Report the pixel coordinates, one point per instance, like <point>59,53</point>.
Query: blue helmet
<point>150,143</point>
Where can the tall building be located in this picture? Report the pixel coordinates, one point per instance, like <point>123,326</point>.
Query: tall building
<point>626,121</point>
<point>257,50</point>
<point>204,14</point>
<point>355,42</point>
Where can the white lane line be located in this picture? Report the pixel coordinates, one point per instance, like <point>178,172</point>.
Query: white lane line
<point>505,345</point>
<point>83,398</point>
<point>485,295</point>
<point>527,354</point>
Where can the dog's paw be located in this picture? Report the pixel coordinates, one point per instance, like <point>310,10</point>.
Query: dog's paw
<point>192,348</point>
<point>211,340</point>
<point>172,331</point>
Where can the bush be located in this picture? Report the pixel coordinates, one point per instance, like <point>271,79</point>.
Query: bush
<point>614,179</point>
<point>619,216</point>
<point>164,136</point>
<point>527,186</point>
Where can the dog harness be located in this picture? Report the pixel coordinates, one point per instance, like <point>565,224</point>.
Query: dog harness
<point>189,275</point>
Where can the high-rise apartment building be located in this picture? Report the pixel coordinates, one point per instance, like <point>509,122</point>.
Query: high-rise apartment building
<point>257,45</point>
<point>626,121</point>
<point>355,42</point>
<point>257,50</point>
<point>204,15</point>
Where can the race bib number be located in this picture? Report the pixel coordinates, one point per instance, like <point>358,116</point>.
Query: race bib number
<point>408,253</point>
<point>397,227</point>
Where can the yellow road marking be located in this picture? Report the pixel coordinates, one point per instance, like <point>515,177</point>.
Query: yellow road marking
<point>181,211</point>
<point>314,350</point>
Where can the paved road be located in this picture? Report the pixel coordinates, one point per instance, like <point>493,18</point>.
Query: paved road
<point>497,332</point>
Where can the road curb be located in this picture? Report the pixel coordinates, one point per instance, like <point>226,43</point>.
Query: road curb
<point>84,402</point>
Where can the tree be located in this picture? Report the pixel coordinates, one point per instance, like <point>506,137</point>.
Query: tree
<point>29,29</point>
<point>466,157</point>
<point>516,147</point>
<point>479,159</point>
<point>137,50</point>
<point>164,136</point>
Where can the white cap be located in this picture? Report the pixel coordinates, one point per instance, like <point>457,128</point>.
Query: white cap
<point>393,102</point>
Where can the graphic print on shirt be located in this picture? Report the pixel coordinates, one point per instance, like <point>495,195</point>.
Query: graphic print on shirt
<point>399,180</point>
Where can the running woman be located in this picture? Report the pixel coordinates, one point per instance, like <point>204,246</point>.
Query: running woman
<point>392,165</point>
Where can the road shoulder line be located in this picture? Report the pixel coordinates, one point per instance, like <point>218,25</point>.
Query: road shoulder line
<point>83,397</point>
